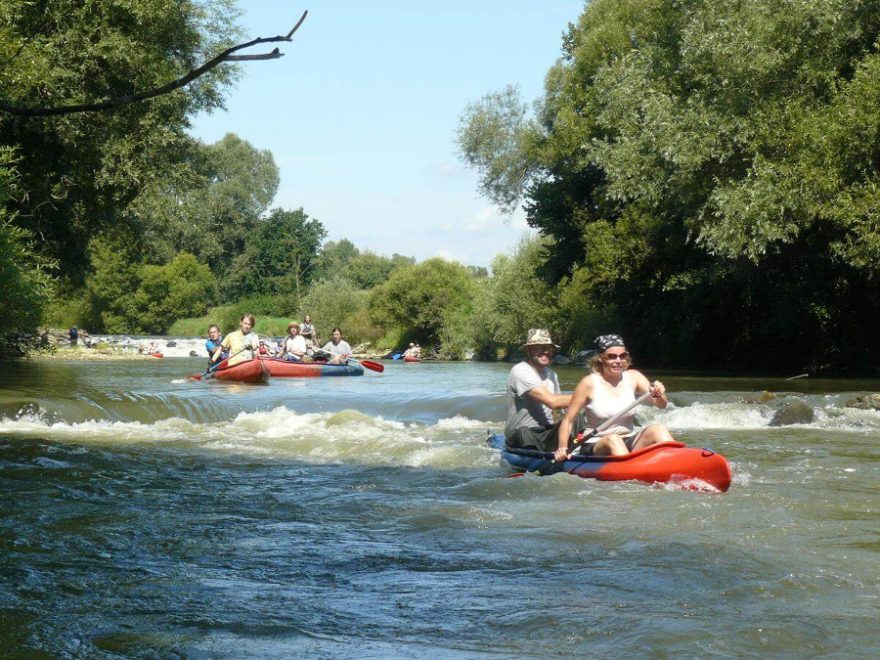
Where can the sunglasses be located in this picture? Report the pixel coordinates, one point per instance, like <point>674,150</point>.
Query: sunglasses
<point>615,356</point>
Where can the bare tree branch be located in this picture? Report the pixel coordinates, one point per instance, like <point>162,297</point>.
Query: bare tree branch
<point>226,56</point>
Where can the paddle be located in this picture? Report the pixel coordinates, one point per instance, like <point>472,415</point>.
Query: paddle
<point>220,364</point>
<point>369,364</point>
<point>607,423</point>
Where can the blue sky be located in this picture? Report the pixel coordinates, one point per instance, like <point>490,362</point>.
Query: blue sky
<point>361,113</point>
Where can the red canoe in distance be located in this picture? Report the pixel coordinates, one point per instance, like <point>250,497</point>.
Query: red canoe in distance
<point>410,358</point>
<point>250,371</point>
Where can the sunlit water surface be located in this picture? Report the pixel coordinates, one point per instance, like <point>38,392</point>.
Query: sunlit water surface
<point>144,514</point>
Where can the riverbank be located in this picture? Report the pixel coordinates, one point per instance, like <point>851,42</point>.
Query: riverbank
<point>85,354</point>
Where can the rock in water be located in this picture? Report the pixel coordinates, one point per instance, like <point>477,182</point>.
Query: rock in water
<point>866,402</point>
<point>796,412</point>
<point>171,344</point>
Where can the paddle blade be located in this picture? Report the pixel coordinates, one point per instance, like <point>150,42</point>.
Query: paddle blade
<point>374,366</point>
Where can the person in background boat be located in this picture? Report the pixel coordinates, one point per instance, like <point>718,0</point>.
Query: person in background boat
<point>609,388</point>
<point>293,348</point>
<point>307,330</point>
<point>413,351</point>
<point>533,394</point>
<point>337,348</point>
<point>213,343</point>
<point>241,344</point>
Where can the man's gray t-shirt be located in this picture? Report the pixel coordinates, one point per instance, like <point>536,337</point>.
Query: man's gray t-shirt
<point>523,410</point>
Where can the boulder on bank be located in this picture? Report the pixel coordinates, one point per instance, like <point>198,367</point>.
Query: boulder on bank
<point>796,412</point>
<point>865,402</point>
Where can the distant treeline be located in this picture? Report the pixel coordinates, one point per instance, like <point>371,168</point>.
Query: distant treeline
<point>704,176</point>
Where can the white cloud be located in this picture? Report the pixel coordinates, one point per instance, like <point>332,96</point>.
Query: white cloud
<point>491,217</point>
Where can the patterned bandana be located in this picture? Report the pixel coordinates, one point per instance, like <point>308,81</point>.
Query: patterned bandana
<point>604,342</point>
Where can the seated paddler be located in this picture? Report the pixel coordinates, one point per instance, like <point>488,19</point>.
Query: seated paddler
<point>610,388</point>
<point>533,394</point>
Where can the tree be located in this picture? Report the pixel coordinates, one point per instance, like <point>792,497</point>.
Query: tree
<point>179,289</point>
<point>212,212</point>
<point>412,299</point>
<point>79,171</point>
<point>716,165</point>
<point>279,257</point>
<point>24,282</point>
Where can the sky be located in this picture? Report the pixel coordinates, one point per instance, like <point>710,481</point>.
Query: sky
<point>361,113</point>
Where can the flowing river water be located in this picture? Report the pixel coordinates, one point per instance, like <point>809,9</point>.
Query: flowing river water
<point>143,514</point>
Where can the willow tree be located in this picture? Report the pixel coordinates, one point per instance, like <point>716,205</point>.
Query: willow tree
<point>710,169</point>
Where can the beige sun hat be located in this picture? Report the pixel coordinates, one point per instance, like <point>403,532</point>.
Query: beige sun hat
<point>539,337</point>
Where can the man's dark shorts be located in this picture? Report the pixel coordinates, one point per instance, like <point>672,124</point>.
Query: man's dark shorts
<point>540,438</point>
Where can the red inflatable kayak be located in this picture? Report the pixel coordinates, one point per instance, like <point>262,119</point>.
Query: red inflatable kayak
<point>410,358</point>
<point>287,369</point>
<point>250,371</point>
<point>664,462</point>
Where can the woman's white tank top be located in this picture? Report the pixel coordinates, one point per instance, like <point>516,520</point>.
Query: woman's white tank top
<point>608,401</point>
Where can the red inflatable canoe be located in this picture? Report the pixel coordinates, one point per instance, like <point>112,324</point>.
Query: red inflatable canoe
<point>287,369</point>
<point>664,462</point>
<point>250,371</point>
<point>410,358</point>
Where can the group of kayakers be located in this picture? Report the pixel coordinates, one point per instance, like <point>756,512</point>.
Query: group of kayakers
<point>299,345</point>
<point>533,394</point>
<point>533,391</point>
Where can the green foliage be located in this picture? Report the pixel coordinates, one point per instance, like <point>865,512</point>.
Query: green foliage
<point>213,207</point>
<point>709,172</point>
<point>111,284</point>
<point>364,270</point>
<point>24,283</point>
<point>278,258</point>
<point>493,136</point>
<point>338,302</point>
<point>80,171</point>
<point>513,300</point>
<point>181,288</point>
<point>412,299</point>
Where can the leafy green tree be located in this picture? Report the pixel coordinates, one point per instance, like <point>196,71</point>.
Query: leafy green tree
<point>24,282</point>
<point>709,173</point>
<point>179,289</point>
<point>414,299</point>
<point>213,210</point>
<point>79,171</point>
<point>279,257</point>
<point>514,299</point>
<point>335,302</point>
<point>111,284</point>
<point>334,257</point>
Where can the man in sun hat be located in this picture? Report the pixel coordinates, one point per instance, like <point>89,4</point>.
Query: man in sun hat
<point>533,394</point>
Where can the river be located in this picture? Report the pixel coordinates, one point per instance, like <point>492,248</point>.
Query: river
<point>147,515</point>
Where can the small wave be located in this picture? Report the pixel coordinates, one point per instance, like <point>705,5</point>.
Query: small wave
<point>828,416</point>
<point>347,436</point>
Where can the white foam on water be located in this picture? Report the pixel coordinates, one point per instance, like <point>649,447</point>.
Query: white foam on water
<point>346,436</point>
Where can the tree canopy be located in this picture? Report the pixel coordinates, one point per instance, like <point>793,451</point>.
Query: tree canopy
<point>708,169</point>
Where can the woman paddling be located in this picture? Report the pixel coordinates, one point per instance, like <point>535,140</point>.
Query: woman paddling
<point>241,344</point>
<point>603,394</point>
